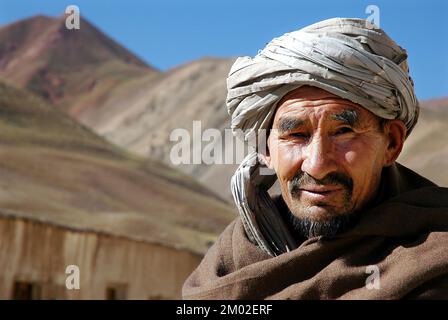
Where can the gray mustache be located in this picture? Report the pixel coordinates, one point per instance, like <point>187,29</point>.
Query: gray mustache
<point>302,180</point>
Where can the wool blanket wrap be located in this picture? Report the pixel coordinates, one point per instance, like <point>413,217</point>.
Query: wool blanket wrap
<point>403,238</point>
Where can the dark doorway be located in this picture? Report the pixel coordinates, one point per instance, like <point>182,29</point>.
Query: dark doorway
<point>116,292</point>
<point>26,291</point>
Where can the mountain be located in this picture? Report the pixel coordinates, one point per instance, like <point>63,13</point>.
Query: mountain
<point>54,170</point>
<point>73,69</point>
<point>192,92</point>
<point>114,93</point>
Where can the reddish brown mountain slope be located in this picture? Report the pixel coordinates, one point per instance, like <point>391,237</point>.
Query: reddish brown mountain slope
<point>74,69</point>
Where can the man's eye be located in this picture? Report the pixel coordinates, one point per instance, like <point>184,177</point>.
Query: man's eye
<point>344,130</point>
<point>298,135</point>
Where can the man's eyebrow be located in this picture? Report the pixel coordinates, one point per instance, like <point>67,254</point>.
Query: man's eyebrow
<point>286,124</point>
<point>349,117</point>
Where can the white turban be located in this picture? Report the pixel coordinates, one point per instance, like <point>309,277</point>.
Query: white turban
<point>350,58</point>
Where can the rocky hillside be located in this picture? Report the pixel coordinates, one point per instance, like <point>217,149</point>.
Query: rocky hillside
<point>153,109</point>
<point>53,169</point>
<point>111,91</point>
<point>426,149</point>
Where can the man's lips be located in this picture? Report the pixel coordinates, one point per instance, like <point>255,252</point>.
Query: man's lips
<point>320,189</point>
<point>320,193</point>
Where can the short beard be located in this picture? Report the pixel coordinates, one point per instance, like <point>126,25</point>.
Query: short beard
<point>307,228</point>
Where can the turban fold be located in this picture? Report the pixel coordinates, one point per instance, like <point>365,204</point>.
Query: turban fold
<point>350,58</point>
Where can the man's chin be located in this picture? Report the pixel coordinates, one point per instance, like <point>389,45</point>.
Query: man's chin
<point>317,212</point>
<point>319,220</point>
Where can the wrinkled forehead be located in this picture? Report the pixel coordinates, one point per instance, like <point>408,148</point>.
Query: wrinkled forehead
<point>307,93</point>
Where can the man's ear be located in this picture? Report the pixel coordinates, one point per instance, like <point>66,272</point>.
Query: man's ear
<point>266,159</point>
<point>396,134</point>
<point>265,156</point>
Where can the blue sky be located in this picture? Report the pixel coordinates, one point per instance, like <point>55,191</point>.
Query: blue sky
<point>168,33</point>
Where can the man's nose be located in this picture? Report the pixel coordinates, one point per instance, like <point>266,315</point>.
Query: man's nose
<point>318,157</point>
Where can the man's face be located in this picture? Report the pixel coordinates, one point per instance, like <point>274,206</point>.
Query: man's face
<point>328,154</point>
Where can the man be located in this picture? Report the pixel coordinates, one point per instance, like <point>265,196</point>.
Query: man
<point>351,223</point>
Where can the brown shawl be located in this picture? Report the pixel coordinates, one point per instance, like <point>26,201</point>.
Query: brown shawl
<point>405,236</point>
